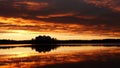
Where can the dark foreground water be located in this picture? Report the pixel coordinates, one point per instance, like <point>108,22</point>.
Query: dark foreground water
<point>64,56</point>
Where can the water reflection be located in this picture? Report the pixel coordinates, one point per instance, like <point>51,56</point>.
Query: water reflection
<point>54,56</point>
<point>48,48</point>
<point>44,48</point>
<point>38,48</point>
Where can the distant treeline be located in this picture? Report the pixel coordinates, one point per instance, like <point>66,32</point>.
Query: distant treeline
<point>50,40</point>
<point>15,42</point>
<point>91,41</point>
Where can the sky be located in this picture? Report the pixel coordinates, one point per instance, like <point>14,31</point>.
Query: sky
<point>62,19</point>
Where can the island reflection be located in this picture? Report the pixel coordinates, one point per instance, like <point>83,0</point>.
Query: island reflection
<point>44,48</point>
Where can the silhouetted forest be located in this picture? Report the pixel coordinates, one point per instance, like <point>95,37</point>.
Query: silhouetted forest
<point>49,40</point>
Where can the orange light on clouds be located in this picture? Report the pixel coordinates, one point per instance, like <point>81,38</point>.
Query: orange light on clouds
<point>97,19</point>
<point>56,15</point>
<point>24,29</point>
<point>15,21</point>
<point>31,5</point>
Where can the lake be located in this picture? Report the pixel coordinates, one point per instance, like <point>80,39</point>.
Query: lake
<point>60,56</point>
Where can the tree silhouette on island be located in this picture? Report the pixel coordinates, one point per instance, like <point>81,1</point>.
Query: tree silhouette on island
<point>44,39</point>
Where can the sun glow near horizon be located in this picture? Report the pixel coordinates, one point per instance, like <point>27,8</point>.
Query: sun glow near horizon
<point>28,35</point>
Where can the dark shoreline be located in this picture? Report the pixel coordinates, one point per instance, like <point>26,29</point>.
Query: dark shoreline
<point>108,41</point>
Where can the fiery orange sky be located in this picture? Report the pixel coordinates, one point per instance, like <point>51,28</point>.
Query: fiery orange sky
<point>62,19</point>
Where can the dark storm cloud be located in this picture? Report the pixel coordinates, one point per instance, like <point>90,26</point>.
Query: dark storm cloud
<point>9,7</point>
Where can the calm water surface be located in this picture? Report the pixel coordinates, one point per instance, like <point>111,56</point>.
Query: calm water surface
<point>27,56</point>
